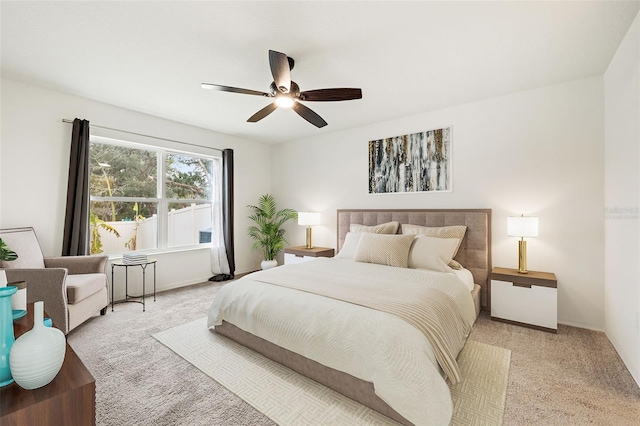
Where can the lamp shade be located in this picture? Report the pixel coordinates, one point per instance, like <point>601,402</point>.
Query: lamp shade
<point>308,218</point>
<point>521,226</point>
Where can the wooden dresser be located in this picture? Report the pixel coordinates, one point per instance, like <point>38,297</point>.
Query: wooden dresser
<point>70,399</point>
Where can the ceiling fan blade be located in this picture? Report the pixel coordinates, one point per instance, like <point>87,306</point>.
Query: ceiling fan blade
<point>321,95</point>
<point>263,113</point>
<point>280,70</point>
<point>308,115</point>
<point>210,86</point>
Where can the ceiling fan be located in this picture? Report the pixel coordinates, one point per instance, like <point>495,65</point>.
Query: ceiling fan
<point>287,93</point>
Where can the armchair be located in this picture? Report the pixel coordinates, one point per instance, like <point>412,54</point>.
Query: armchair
<point>73,288</point>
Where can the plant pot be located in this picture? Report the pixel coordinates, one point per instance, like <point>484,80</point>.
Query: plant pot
<point>268,264</point>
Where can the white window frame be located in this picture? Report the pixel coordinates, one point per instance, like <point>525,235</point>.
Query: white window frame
<point>161,201</point>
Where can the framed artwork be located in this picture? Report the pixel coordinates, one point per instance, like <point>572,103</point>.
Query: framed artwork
<point>418,162</point>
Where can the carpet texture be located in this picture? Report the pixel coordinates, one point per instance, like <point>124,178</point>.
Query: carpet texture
<point>572,378</point>
<point>289,398</point>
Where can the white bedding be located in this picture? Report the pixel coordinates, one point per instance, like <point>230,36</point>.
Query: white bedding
<point>466,276</point>
<point>374,346</point>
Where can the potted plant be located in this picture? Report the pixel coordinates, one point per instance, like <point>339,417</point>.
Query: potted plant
<point>267,230</point>
<point>6,253</point>
<point>19,299</point>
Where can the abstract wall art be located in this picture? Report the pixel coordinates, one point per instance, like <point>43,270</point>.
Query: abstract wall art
<point>418,162</point>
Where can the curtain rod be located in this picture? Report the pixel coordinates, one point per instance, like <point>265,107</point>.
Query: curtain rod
<point>64,120</point>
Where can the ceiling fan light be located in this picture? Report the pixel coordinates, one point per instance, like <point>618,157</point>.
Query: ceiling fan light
<point>284,101</point>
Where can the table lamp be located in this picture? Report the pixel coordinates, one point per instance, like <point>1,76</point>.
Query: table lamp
<point>308,219</point>
<point>521,226</point>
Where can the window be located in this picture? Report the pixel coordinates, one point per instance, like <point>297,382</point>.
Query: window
<point>148,198</point>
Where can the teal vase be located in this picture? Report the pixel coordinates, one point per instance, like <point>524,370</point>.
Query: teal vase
<point>6,333</point>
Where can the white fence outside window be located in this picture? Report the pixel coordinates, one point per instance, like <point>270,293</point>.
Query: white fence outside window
<point>185,228</point>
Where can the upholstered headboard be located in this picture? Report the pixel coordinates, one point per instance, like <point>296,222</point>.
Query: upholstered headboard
<point>475,251</point>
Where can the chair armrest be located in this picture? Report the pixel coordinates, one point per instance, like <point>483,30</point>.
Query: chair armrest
<point>79,264</point>
<point>49,286</point>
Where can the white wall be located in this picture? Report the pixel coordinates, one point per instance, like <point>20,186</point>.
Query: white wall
<point>35,160</point>
<point>622,196</point>
<point>537,152</point>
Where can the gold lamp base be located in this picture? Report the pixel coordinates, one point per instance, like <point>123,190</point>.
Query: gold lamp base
<point>309,244</point>
<point>522,256</point>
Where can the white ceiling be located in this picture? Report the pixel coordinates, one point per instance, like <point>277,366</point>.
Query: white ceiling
<point>408,57</point>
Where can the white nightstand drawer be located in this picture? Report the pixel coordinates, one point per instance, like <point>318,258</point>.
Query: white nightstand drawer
<point>290,259</point>
<point>535,305</point>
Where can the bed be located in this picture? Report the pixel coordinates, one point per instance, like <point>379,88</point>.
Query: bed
<point>376,357</point>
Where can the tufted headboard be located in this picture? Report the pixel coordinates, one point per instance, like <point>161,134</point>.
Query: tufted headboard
<point>475,251</point>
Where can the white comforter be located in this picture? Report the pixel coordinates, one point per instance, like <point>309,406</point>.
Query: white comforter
<point>374,346</point>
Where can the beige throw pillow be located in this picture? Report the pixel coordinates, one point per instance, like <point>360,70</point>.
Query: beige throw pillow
<point>391,250</point>
<point>432,253</point>
<point>383,228</point>
<point>456,231</point>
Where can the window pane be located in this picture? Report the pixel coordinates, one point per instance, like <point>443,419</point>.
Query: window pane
<point>189,224</point>
<point>135,229</point>
<point>188,177</point>
<point>117,171</point>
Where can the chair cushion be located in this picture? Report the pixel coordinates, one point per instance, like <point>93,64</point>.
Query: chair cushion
<point>79,287</point>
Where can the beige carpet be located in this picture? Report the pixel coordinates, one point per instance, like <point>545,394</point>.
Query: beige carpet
<point>289,398</point>
<point>574,377</point>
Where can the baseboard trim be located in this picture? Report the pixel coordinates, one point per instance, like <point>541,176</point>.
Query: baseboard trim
<point>626,359</point>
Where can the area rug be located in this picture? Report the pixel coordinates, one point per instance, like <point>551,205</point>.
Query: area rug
<point>289,398</point>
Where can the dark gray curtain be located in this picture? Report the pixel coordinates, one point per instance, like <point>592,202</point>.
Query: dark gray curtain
<point>76,222</point>
<point>227,207</point>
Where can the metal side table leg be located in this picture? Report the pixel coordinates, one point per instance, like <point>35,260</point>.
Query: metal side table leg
<point>154,281</point>
<point>144,281</point>
<point>112,266</point>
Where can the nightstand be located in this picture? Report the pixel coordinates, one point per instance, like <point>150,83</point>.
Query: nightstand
<point>302,254</point>
<point>529,300</point>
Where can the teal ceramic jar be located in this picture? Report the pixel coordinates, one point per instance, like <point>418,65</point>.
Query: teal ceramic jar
<point>6,333</point>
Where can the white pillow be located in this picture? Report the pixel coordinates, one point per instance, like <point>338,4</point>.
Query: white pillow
<point>383,228</point>
<point>456,231</point>
<point>391,250</point>
<point>432,253</point>
<point>349,246</point>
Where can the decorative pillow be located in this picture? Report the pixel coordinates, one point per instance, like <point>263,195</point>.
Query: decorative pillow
<point>349,246</point>
<point>383,228</point>
<point>432,253</point>
<point>391,250</point>
<point>456,231</point>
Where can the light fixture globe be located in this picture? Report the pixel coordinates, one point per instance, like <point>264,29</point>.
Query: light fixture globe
<point>284,101</point>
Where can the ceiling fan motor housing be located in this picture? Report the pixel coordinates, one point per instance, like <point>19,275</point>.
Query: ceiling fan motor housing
<point>294,90</point>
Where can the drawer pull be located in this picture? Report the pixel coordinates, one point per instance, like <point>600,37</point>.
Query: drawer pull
<point>521,285</point>
<point>299,255</point>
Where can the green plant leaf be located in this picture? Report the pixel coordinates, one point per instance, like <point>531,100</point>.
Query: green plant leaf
<point>6,253</point>
<point>267,230</point>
